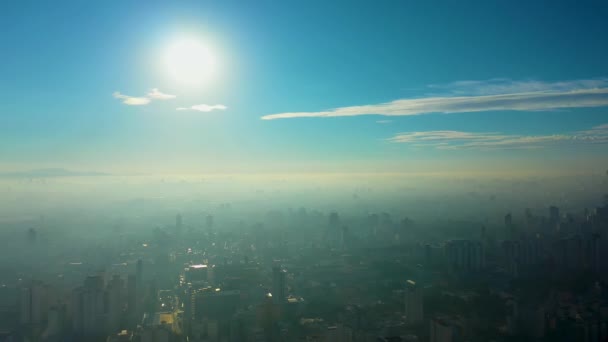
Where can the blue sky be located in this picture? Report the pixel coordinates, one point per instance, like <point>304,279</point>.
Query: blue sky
<point>477,84</point>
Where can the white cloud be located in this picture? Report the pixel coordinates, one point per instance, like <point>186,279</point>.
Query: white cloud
<point>156,94</point>
<point>130,100</point>
<point>481,96</point>
<point>455,140</point>
<point>203,108</point>
<point>384,121</point>
<point>508,86</point>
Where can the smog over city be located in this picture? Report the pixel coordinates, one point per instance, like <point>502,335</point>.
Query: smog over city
<point>269,171</point>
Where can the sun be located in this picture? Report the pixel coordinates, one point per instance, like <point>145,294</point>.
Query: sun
<point>190,62</point>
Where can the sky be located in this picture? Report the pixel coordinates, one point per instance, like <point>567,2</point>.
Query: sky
<point>128,87</point>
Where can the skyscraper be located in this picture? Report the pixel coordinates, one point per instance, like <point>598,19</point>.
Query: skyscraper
<point>34,303</point>
<point>115,304</point>
<point>465,255</point>
<point>88,307</point>
<point>132,299</point>
<point>279,290</point>
<point>413,303</point>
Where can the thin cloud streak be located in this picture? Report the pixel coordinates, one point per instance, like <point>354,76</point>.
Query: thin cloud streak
<point>458,140</point>
<point>536,97</point>
<point>507,86</point>
<point>131,100</point>
<point>203,108</point>
<point>154,94</point>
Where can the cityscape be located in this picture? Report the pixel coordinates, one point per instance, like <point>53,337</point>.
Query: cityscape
<point>303,171</point>
<point>217,272</point>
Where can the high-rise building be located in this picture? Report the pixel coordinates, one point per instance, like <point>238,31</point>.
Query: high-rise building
<point>333,233</point>
<point>156,334</point>
<point>200,274</point>
<point>55,323</point>
<point>208,312</point>
<point>445,329</point>
<point>132,306</point>
<point>268,314</point>
<point>338,333</point>
<point>441,331</point>
<point>465,255</point>
<point>34,303</point>
<point>568,252</point>
<point>89,307</point>
<point>115,304</point>
<point>413,303</point>
<point>279,288</point>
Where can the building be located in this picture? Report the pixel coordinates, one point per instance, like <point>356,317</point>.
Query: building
<point>122,336</point>
<point>210,311</point>
<point>55,323</point>
<point>279,288</point>
<point>89,308</point>
<point>195,274</point>
<point>413,303</point>
<point>34,303</point>
<point>445,329</point>
<point>338,333</point>
<point>465,255</point>
<point>156,334</point>
<point>115,304</point>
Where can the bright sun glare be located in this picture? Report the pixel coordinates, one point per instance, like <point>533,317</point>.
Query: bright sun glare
<point>189,62</point>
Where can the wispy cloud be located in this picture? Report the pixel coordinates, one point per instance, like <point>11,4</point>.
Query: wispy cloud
<point>203,108</point>
<point>507,86</point>
<point>131,100</point>
<point>384,121</point>
<point>154,94</point>
<point>455,140</point>
<point>480,96</point>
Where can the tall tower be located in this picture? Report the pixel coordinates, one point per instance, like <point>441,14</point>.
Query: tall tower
<point>89,308</point>
<point>413,303</point>
<point>554,218</point>
<point>132,299</point>
<point>34,302</point>
<point>279,290</point>
<point>115,290</point>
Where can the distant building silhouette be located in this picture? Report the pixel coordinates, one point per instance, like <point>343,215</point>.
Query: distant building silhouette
<point>279,289</point>
<point>413,303</point>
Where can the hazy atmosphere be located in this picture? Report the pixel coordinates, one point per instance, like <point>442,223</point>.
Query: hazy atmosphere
<point>265,171</point>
